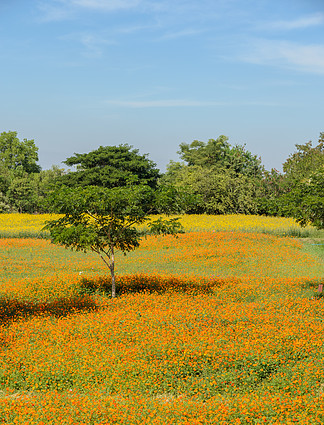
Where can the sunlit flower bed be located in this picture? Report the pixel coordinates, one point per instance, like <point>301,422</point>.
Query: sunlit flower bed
<point>30,225</point>
<point>208,328</point>
<point>21,225</point>
<point>227,356</point>
<point>255,223</point>
<point>196,254</point>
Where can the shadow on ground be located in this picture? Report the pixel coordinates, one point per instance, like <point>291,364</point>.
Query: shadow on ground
<point>135,283</point>
<point>12,309</point>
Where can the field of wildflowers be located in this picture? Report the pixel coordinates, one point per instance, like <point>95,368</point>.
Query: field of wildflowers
<point>212,327</point>
<point>281,226</point>
<point>30,225</point>
<point>24,225</point>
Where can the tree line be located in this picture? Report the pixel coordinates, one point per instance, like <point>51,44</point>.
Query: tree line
<point>115,188</point>
<point>211,177</point>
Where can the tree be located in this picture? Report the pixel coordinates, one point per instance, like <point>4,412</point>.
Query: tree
<point>307,199</point>
<point>104,220</point>
<point>283,194</point>
<point>16,154</point>
<point>217,191</point>
<point>111,166</point>
<point>4,203</point>
<point>272,188</point>
<point>205,154</point>
<point>18,164</point>
<point>305,161</point>
<point>223,179</point>
<point>219,153</point>
<point>25,192</point>
<point>22,194</point>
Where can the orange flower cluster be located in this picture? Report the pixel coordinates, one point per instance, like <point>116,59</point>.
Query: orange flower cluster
<point>224,253</point>
<point>186,358</point>
<point>223,328</point>
<point>99,409</point>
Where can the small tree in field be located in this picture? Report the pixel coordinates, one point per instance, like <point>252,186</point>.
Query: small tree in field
<point>103,220</point>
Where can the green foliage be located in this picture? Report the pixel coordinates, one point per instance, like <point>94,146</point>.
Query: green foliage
<point>272,188</point>
<point>23,185</point>
<point>305,161</point>
<point>163,227</point>
<point>306,200</point>
<point>26,192</point>
<point>220,178</point>
<point>217,191</point>
<point>174,168</point>
<point>4,203</point>
<point>214,177</point>
<point>16,154</point>
<point>220,154</point>
<point>282,194</point>
<point>103,220</point>
<point>94,217</point>
<point>111,166</point>
<point>299,192</point>
<point>170,199</point>
<point>22,193</point>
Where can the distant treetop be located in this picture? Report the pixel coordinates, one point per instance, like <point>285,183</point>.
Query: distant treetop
<point>18,155</point>
<point>219,153</point>
<point>111,166</point>
<point>306,160</point>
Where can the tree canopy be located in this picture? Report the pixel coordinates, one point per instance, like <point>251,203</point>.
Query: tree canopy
<point>219,153</point>
<point>104,220</point>
<point>216,191</point>
<point>306,160</point>
<point>285,192</point>
<point>210,177</point>
<point>111,166</point>
<point>223,178</point>
<point>18,166</point>
<point>18,155</point>
<point>306,200</point>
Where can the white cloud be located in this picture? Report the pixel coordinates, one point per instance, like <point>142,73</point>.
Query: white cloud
<point>105,4</point>
<point>57,10</point>
<point>303,22</point>
<point>180,34</point>
<point>304,58</point>
<point>172,11</point>
<point>169,103</point>
<point>53,11</point>
<point>93,44</point>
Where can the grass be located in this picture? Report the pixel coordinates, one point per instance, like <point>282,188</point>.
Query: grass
<point>315,247</point>
<point>198,253</point>
<point>210,328</point>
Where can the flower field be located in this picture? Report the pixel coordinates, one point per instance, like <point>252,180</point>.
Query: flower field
<point>212,327</point>
<point>246,223</point>
<point>30,225</point>
<point>23,225</point>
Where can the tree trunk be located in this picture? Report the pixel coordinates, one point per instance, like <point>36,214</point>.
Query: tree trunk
<point>112,271</point>
<point>111,265</point>
<point>113,285</point>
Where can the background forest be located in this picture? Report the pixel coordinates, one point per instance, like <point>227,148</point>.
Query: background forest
<point>214,177</point>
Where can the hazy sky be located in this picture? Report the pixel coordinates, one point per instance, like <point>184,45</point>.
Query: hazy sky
<point>77,74</point>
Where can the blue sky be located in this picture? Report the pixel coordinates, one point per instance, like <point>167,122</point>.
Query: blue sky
<point>77,74</point>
